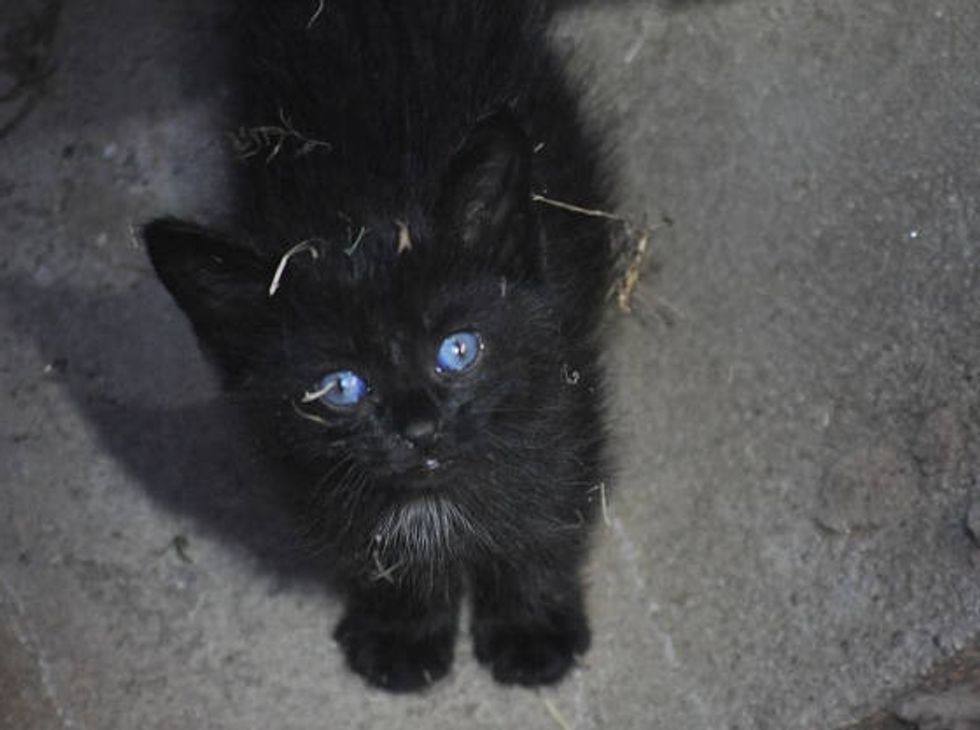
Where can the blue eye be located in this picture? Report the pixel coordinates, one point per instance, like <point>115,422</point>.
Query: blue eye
<point>458,352</point>
<point>341,389</point>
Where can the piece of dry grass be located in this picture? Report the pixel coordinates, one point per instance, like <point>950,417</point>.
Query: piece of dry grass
<point>308,416</point>
<point>571,207</point>
<point>313,395</point>
<point>316,14</point>
<point>381,572</point>
<point>603,502</point>
<point>555,714</point>
<point>349,251</point>
<point>631,274</point>
<point>307,245</point>
<point>630,251</point>
<point>404,239</point>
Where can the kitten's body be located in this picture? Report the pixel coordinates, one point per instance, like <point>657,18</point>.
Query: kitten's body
<point>411,136</point>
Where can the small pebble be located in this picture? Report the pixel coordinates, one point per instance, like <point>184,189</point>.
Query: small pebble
<point>58,366</point>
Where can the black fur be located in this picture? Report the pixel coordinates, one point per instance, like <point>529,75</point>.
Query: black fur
<point>409,137</point>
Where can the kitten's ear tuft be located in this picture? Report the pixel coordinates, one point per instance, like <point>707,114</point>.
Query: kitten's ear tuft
<point>219,284</point>
<point>486,197</point>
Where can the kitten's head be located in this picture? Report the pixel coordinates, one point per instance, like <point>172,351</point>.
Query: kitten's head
<point>407,362</point>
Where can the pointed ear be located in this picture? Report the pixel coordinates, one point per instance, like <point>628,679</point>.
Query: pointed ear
<point>220,285</point>
<point>486,195</point>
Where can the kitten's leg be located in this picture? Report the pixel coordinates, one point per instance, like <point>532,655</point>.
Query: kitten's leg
<point>528,623</point>
<point>398,639</point>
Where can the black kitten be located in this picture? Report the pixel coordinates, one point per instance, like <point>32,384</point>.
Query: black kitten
<point>414,329</point>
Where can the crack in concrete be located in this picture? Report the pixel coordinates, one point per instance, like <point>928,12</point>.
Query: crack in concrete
<point>28,639</point>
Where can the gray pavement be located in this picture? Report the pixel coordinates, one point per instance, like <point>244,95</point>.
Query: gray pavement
<point>796,395</point>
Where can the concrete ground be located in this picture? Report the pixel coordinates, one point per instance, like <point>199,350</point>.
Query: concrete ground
<point>797,393</point>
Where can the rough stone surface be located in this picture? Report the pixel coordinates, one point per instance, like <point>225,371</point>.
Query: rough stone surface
<point>796,395</point>
<point>947,698</point>
<point>867,489</point>
<point>956,709</point>
<point>26,699</point>
<point>973,521</point>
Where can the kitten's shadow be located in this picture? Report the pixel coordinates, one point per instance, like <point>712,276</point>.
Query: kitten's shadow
<point>124,360</point>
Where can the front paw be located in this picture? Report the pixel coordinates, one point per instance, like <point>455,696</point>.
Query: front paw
<point>530,655</point>
<point>393,658</point>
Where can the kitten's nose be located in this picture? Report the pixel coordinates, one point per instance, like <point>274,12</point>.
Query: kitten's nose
<point>421,431</point>
<point>416,418</point>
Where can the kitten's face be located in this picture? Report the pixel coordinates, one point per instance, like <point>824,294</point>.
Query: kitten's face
<point>419,406</point>
<point>421,385</point>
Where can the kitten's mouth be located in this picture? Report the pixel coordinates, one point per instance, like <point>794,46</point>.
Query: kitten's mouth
<point>427,469</point>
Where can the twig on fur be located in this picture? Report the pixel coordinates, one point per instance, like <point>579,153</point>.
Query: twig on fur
<point>307,245</point>
<point>308,416</point>
<point>577,208</point>
<point>404,239</point>
<point>357,240</point>
<point>313,18</point>
<point>249,141</point>
<point>311,396</point>
<point>603,502</point>
<point>383,573</point>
